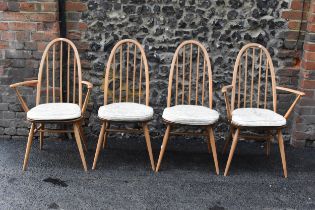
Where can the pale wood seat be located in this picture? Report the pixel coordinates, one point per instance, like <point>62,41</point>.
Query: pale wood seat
<point>189,101</point>
<point>253,117</point>
<point>55,111</point>
<point>125,112</point>
<point>126,75</point>
<point>190,115</point>
<point>252,104</point>
<point>59,100</point>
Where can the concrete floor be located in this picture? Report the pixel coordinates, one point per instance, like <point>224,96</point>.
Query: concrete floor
<point>124,180</point>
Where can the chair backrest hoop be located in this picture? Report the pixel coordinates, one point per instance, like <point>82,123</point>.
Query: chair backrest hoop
<point>76,66</point>
<point>269,69</point>
<point>143,62</point>
<point>206,64</point>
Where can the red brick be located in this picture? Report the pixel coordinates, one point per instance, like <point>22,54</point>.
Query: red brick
<point>309,56</point>
<point>43,36</point>
<point>291,15</point>
<point>307,65</point>
<point>308,84</point>
<point>3,6</point>
<point>22,26</point>
<point>8,36</point>
<point>48,26</point>
<point>23,36</point>
<point>75,6</point>
<point>4,44</point>
<point>309,46</point>
<point>298,5</point>
<point>49,7</point>
<point>4,26</point>
<point>29,7</point>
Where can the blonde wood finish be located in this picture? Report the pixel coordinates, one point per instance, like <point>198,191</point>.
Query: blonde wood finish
<point>99,145</point>
<point>148,141</point>
<point>79,144</point>
<point>47,81</point>
<point>163,147</point>
<point>234,143</point>
<point>28,146</point>
<point>202,59</point>
<point>134,55</point>
<point>263,63</point>
<point>41,136</point>
<point>282,152</point>
<point>214,149</point>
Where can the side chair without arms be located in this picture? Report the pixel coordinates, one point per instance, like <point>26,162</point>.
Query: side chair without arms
<point>58,95</point>
<point>253,105</point>
<point>124,100</point>
<point>191,105</point>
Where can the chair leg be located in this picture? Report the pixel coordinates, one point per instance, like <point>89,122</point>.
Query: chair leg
<point>106,136</point>
<point>227,141</point>
<point>214,149</point>
<point>83,138</point>
<point>234,143</point>
<point>147,139</point>
<point>28,146</point>
<point>99,145</point>
<point>163,147</point>
<point>282,152</point>
<point>41,136</point>
<point>76,128</point>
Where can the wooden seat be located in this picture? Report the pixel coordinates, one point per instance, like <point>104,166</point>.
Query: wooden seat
<point>189,100</point>
<point>124,100</point>
<point>253,100</point>
<point>59,97</point>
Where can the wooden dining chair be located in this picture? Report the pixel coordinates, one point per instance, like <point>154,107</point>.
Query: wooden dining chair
<point>58,96</point>
<point>126,93</point>
<point>253,104</point>
<point>191,80</point>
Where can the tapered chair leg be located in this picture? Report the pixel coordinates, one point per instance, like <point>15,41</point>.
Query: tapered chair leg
<point>234,143</point>
<point>163,147</point>
<point>148,141</point>
<point>28,146</point>
<point>83,138</point>
<point>282,152</point>
<point>76,128</point>
<point>214,149</point>
<point>106,135</point>
<point>227,141</point>
<point>99,145</point>
<point>41,136</point>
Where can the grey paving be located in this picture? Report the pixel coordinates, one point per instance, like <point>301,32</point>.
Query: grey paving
<point>123,180</point>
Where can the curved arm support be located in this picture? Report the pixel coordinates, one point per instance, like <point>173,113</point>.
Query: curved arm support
<point>225,89</point>
<point>31,83</point>
<point>86,100</point>
<point>298,94</point>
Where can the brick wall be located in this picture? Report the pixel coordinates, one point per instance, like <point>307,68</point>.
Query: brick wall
<point>284,26</point>
<point>25,29</point>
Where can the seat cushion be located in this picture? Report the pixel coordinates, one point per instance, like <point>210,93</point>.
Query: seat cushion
<point>253,117</point>
<point>190,115</point>
<point>55,111</point>
<point>125,112</point>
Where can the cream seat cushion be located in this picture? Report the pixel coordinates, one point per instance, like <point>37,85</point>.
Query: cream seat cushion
<point>253,117</point>
<point>55,111</point>
<point>190,115</point>
<point>125,112</point>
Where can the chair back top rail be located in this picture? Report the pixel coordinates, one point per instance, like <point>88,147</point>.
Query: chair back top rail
<point>60,76</point>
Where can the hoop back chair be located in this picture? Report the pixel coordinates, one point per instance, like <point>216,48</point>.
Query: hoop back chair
<point>253,102</point>
<point>58,95</point>
<point>189,100</point>
<point>124,99</point>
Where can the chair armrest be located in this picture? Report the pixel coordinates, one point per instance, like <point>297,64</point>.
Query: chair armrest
<point>225,89</point>
<point>86,100</point>
<point>290,90</point>
<point>298,94</point>
<point>30,83</point>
